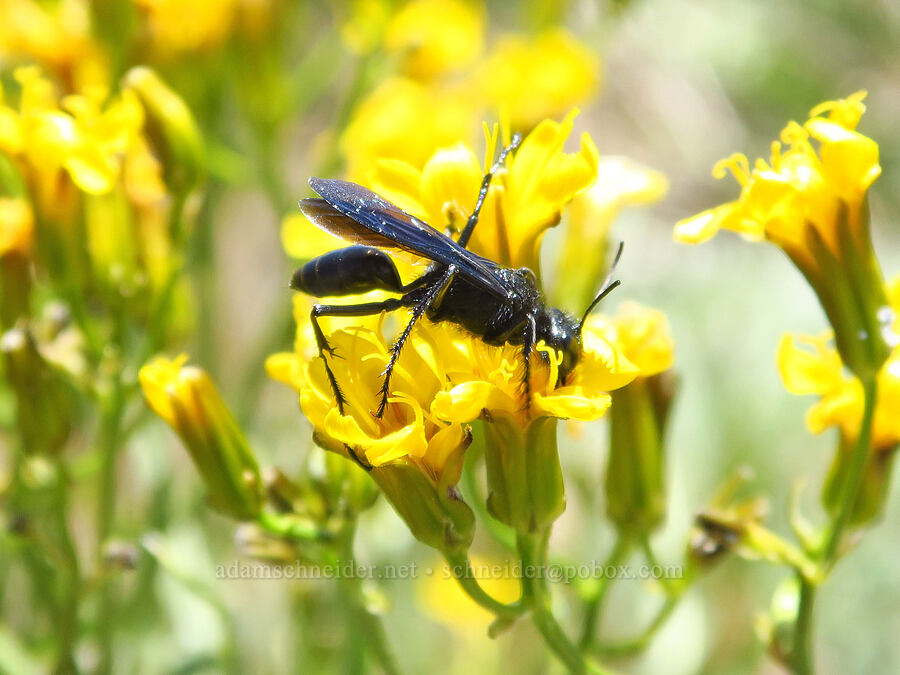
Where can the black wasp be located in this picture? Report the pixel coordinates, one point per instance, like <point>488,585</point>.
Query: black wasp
<point>499,304</point>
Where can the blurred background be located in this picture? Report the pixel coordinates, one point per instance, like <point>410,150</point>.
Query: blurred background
<point>284,90</point>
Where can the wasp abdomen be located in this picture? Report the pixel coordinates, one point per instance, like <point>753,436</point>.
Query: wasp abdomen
<point>355,269</point>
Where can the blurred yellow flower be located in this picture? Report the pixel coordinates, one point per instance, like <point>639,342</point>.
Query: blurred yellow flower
<point>362,31</point>
<point>532,79</point>
<point>405,120</point>
<point>798,187</point>
<point>85,137</point>
<point>16,226</point>
<point>524,201</point>
<point>178,26</point>
<point>303,240</point>
<point>186,398</point>
<point>57,35</point>
<point>433,37</point>
<point>810,365</point>
<point>642,335</point>
<point>441,597</point>
<point>620,183</point>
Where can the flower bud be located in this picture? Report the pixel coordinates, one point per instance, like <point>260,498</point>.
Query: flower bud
<point>873,490</point>
<point>16,234</point>
<point>635,487</point>
<point>186,398</point>
<point>779,628</point>
<point>184,157</point>
<point>433,510</point>
<point>525,482</point>
<point>42,400</point>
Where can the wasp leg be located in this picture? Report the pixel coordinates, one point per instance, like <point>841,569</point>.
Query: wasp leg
<point>365,309</point>
<point>418,310</point>
<point>482,193</point>
<point>528,342</point>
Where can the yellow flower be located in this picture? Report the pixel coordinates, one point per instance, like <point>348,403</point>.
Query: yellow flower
<point>810,365</point>
<point>797,187</point>
<point>620,183</point>
<point>524,201</point>
<point>16,226</point>
<point>57,35</point>
<point>433,37</point>
<point>443,379</point>
<point>642,335</point>
<point>186,398</point>
<point>405,120</point>
<point>84,137</point>
<point>538,78</point>
<point>209,24</point>
<point>812,205</point>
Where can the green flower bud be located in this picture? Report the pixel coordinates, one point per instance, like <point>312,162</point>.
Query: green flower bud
<point>525,482</point>
<point>635,486</point>
<point>184,156</point>
<point>187,399</point>
<point>433,510</point>
<point>43,402</point>
<point>875,483</point>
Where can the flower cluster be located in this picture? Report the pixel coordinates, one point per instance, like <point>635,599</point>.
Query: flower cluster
<point>813,205</point>
<point>439,91</point>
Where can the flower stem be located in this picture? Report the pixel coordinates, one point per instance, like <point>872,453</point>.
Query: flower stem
<point>462,571</point>
<point>854,479</point>
<point>109,441</point>
<point>594,602</point>
<point>67,620</point>
<point>801,658</point>
<point>535,595</point>
<point>366,624</point>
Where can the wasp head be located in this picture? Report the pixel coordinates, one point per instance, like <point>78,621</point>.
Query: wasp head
<point>562,332</point>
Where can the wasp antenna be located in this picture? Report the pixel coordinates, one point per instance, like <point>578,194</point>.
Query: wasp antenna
<point>608,286</point>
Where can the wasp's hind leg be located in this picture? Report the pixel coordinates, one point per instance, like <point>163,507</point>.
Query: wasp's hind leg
<point>427,300</point>
<point>366,309</point>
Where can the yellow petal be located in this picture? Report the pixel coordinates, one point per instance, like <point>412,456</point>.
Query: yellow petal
<point>408,440</point>
<point>303,240</point>
<point>464,402</point>
<point>808,372</point>
<point>157,377</point>
<point>703,226</point>
<point>399,182</point>
<point>572,403</point>
<point>450,183</point>
<point>849,159</point>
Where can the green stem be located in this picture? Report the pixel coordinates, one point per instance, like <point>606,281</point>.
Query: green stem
<point>368,626</point>
<point>801,656</point>
<point>594,602</point>
<point>854,479</point>
<point>535,595</point>
<point>67,620</point>
<point>462,571</point>
<point>640,642</point>
<point>109,442</point>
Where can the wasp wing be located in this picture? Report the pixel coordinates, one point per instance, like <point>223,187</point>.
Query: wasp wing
<point>357,214</point>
